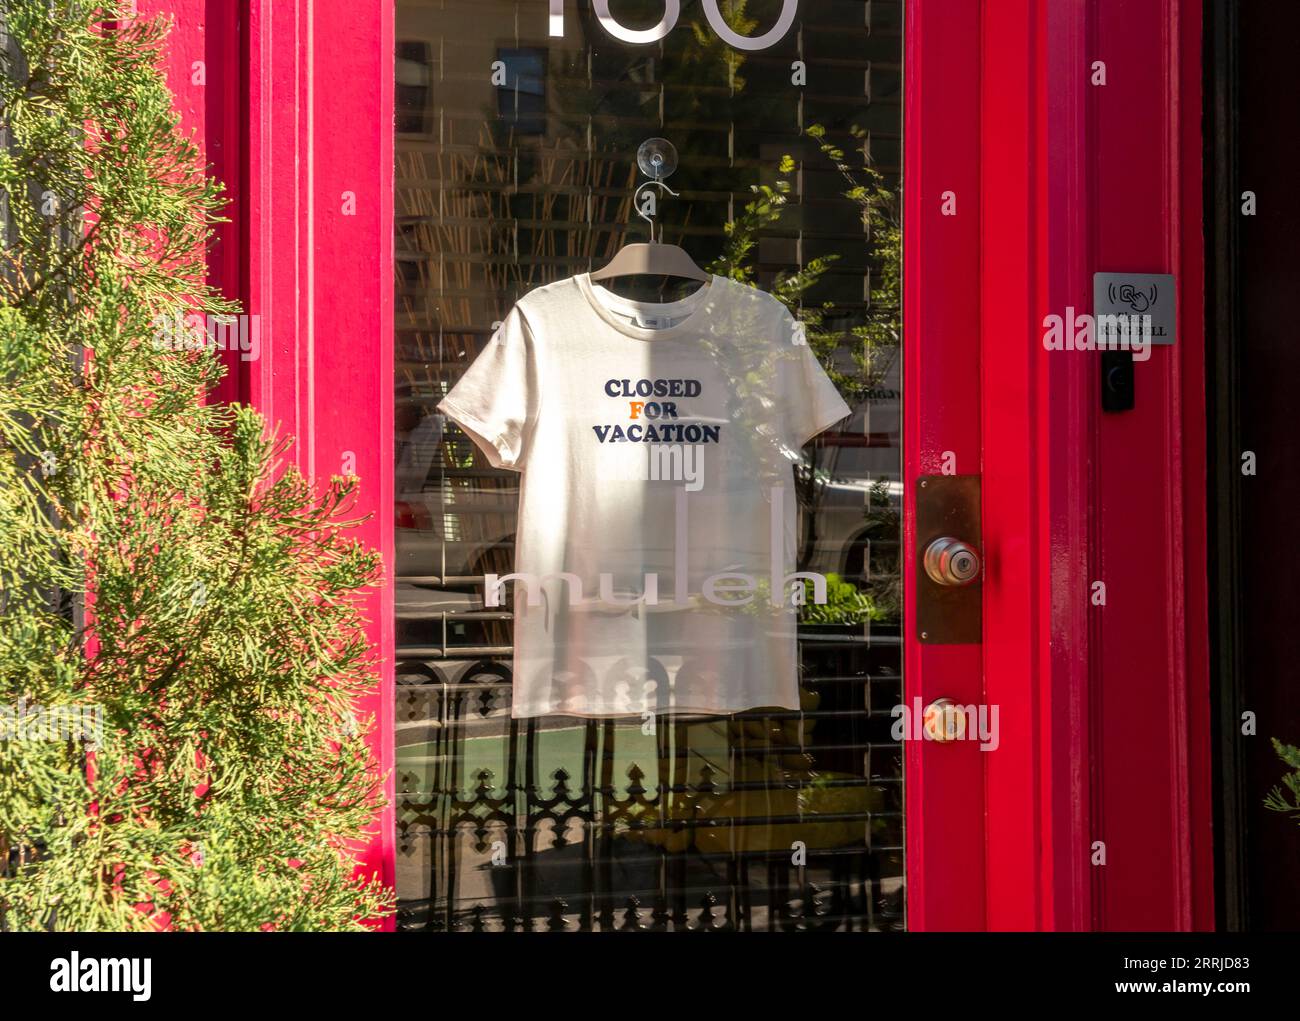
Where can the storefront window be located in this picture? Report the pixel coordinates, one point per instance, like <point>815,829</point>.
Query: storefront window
<point>527,804</point>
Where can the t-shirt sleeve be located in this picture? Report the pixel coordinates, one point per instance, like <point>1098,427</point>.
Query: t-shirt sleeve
<point>812,404</point>
<point>495,401</point>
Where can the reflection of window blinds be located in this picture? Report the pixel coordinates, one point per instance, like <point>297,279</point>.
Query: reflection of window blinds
<point>499,190</point>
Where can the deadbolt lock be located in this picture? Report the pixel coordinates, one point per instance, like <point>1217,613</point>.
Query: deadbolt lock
<point>950,561</point>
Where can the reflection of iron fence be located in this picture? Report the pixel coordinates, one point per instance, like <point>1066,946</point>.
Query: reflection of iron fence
<point>670,844</point>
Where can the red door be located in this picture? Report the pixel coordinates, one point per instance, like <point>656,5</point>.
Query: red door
<point>1047,142</point>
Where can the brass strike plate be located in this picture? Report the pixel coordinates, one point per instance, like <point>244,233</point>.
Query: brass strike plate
<point>948,505</point>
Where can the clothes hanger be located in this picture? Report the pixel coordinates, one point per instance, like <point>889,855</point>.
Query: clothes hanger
<point>653,259</point>
<point>657,159</point>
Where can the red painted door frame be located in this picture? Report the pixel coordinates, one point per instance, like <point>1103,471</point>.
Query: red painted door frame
<point>292,101</point>
<point>1103,709</point>
<point>1151,792</point>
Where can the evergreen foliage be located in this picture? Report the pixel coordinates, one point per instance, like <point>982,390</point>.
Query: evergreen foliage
<point>163,575</point>
<point>1288,800</point>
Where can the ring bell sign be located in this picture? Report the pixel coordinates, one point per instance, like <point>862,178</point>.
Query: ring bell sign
<point>673,8</point>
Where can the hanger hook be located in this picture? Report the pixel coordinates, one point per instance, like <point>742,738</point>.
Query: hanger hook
<point>636,202</point>
<point>657,158</point>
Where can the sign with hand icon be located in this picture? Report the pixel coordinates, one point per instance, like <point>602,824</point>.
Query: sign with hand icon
<point>1138,294</point>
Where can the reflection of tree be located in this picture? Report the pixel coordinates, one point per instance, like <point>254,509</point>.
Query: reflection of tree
<point>883,567</point>
<point>845,604</point>
<point>879,334</point>
<point>877,337</point>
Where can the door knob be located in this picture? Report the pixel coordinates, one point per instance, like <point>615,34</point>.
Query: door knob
<point>944,720</point>
<point>948,570</point>
<point>950,561</point>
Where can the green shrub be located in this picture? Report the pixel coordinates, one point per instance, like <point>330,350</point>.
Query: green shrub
<point>160,571</point>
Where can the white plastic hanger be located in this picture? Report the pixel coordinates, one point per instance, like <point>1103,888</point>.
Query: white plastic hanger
<point>653,259</point>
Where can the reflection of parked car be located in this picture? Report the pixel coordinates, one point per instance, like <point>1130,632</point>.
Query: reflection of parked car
<point>450,531</point>
<point>452,515</point>
<point>852,526</point>
<point>455,521</point>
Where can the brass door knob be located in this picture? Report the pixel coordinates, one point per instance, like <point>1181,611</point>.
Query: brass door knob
<point>950,561</point>
<point>944,720</point>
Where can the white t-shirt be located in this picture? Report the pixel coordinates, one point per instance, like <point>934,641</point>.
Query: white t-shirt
<point>654,556</point>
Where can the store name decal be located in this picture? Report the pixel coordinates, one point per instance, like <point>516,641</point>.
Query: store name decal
<point>673,8</point>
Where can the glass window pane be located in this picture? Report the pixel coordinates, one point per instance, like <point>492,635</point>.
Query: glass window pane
<point>516,167</point>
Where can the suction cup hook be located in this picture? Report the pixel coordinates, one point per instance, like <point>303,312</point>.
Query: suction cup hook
<point>657,158</point>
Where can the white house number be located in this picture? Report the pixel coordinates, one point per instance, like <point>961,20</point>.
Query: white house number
<point>672,8</point>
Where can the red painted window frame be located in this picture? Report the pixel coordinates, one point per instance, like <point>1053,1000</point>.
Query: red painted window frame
<point>294,109</point>
<point>319,262</point>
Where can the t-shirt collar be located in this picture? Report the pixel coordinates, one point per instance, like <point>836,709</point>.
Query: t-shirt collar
<point>605,303</point>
